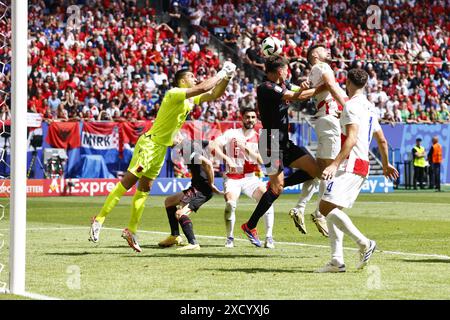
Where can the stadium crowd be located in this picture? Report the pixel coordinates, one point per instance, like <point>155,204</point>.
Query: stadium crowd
<point>407,56</point>
<point>5,62</point>
<point>119,63</point>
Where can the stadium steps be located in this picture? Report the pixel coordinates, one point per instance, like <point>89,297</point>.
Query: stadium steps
<point>375,165</point>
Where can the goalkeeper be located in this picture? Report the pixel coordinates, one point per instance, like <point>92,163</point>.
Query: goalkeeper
<point>150,151</point>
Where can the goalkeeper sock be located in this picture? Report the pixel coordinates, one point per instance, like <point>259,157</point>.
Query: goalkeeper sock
<point>137,208</point>
<point>111,201</point>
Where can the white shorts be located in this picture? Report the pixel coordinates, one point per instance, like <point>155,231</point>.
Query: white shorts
<point>343,189</point>
<point>247,185</point>
<point>328,131</point>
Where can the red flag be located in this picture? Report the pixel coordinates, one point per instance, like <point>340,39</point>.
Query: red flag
<point>64,135</point>
<point>131,131</point>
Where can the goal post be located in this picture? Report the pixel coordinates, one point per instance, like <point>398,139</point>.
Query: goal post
<point>19,27</point>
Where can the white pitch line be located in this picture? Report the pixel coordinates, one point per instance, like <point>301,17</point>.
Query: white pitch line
<point>299,244</point>
<point>31,295</point>
<point>303,245</point>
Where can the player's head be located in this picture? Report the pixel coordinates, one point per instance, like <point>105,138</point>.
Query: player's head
<point>318,52</point>
<point>248,117</point>
<point>356,79</point>
<point>184,79</point>
<point>277,67</point>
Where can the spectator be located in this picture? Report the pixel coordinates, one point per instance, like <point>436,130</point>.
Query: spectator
<point>443,114</point>
<point>253,61</point>
<point>5,114</point>
<point>54,103</point>
<point>175,16</point>
<point>160,76</point>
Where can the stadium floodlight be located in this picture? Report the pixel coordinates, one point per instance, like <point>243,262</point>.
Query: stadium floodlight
<point>18,199</point>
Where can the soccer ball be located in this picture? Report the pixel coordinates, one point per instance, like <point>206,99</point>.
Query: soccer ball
<point>271,46</point>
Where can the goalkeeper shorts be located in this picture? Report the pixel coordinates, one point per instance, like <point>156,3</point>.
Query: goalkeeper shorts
<point>148,158</point>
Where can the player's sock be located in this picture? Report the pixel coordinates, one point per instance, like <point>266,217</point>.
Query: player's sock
<point>111,201</point>
<point>336,237</point>
<point>268,220</point>
<point>263,205</point>
<point>343,222</point>
<point>297,177</point>
<point>322,187</point>
<point>188,229</point>
<point>308,189</point>
<point>230,217</point>
<point>137,208</point>
<point>173,222</point>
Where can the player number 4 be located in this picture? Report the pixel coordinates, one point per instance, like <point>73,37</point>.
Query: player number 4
<point>330,186</point>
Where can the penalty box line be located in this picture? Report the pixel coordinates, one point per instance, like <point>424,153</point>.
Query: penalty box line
<point>299,244</point>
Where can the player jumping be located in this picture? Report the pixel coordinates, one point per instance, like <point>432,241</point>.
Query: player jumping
<point>275,147</point>
<point>150,151</point>
<point>327,128</point>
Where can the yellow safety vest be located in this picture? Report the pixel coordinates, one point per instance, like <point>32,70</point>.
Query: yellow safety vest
<point>419,162</point>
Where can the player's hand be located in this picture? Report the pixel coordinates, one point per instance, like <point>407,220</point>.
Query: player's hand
<point>241,144</point>
<point>216,190</point>
<point>305,85</point>
<point>391,172</point>
<point>329,172</point>
<point>177,139</point>
<point>229,68</point>
<point>231,164</point>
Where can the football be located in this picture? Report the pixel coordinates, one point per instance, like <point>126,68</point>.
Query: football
<point>271,46</point>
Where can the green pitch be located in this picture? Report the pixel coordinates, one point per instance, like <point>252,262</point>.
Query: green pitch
<point>413,262</point>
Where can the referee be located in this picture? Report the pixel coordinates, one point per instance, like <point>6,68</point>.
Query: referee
<point>275,147</point>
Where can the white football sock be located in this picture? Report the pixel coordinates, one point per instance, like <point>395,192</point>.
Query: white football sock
<point>308,189</point>
<point>343,222</point>
<point>336,237</point>
<point>230,217</point>
<point>322,187</point>
<point>269,220</point>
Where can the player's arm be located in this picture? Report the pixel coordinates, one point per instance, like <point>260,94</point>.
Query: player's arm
<point>203,87</point>
<point>254,156</point>
<point>209,169</point>
<point>350,142</point>
<point>334,88</point>
<point>302,95</point>
<point>389,171</point>
<point>219,82</point>
<point>217,145</point>
<point>216,92</point>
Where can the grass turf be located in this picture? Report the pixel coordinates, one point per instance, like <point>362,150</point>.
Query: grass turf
<point>416,226</point>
